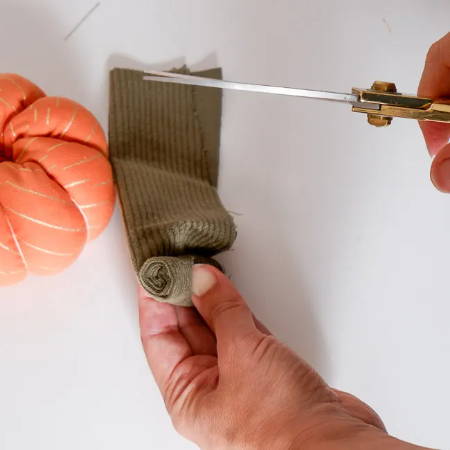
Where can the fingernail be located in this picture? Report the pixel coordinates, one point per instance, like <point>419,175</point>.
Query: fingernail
<point>440,175</point>
<point>203,280</point>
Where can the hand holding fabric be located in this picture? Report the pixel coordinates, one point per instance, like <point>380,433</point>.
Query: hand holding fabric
<point>229,384</point>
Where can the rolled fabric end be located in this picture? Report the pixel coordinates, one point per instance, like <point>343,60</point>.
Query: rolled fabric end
<point>168,279</point>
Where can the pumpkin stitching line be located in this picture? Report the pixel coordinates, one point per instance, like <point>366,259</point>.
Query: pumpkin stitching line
<point>16,241</point>
<point>39,194</point>
<point>45,250</point>
<point>44,224</point>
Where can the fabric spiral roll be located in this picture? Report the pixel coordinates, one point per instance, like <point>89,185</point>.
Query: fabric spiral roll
<point>169,279</point>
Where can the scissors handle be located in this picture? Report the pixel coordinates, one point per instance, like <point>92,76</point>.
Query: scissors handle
<point>394,104</point>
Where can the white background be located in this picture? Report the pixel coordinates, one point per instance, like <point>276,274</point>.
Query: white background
<point>343,247</point>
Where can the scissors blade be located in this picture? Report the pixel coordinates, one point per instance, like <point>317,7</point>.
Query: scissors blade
<point>177,78</point>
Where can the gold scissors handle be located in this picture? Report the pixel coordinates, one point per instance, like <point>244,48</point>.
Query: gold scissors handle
<point>394,104</point>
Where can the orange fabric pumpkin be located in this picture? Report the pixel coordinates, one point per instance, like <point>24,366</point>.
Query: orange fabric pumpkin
<point>56,189</point>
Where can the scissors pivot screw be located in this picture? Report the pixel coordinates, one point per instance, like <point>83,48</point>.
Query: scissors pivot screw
<point>376,120</point>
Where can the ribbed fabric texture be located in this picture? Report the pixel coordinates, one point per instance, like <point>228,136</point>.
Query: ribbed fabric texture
<point>164,145</point>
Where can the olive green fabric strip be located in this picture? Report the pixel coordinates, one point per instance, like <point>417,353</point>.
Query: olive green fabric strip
<point>164,146</point>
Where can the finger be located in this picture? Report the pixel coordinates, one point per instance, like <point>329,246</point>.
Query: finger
<point>164,346</point>
<point>436,135</point>
<point>440,170</point>
<point>196,332</point>
<point>435,84</point>
<point>436,73</point>
<point>218,302</point>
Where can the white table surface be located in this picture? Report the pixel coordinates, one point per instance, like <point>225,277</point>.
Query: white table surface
<point>343,247</point>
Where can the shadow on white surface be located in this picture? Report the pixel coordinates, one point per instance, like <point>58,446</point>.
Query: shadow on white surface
<point>119,60</point>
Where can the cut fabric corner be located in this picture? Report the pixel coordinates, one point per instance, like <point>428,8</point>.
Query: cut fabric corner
<point>164,146</point>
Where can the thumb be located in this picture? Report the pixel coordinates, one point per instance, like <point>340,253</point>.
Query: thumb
<point>440,169</point>
<point>222,307</point>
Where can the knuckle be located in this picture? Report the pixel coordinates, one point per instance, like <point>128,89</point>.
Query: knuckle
<point>439,48</point>
<point>183,389</point>
<point>313,386</point>
<point>264,347</point>
<point>179,423</point>
<point>174,389</point>
<point>227,305</point>
<point>434,50</point>
<point>244,344</point>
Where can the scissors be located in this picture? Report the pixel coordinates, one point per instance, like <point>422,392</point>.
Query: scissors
<point>381,102</point>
